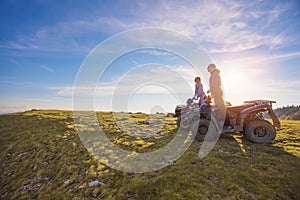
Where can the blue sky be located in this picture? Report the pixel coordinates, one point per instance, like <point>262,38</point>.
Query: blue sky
<point>256,44</point>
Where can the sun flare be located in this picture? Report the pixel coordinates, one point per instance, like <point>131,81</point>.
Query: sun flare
<point>235,81</point>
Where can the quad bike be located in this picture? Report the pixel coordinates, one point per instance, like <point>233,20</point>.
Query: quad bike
<point>248,118</point>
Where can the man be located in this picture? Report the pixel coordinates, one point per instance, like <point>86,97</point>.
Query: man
<point>217,94</point>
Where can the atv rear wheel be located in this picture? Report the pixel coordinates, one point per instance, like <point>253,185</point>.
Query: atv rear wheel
<point>200,128</point>
<point>260,131</point>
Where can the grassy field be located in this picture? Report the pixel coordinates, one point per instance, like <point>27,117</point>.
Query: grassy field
<point>42,157</point>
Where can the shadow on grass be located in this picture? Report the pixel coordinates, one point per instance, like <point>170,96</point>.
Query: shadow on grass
<point>42,157</point>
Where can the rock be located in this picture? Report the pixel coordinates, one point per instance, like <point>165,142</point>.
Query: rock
<point>68,117</point>
<point>66,182</point>
<point>95,183</point>
<point>251,148</point>
<point>45,164</point>
<point>148,136</point>
<point>38,177</point>
<point>146,121</point>
<point>81,186</point>
<point>21,154</point>
<point>118,131</point>
<point>223,151</point>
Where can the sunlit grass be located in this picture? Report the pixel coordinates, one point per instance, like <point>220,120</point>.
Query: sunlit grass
<point>42,157</point>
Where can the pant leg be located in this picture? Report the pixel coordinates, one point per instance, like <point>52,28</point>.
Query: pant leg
<point>220,111</point>
<point>201,100</point>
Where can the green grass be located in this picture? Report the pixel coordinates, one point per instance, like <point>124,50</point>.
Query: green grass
<point>42,157</point>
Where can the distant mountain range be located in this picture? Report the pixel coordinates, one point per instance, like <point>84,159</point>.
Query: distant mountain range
<point>288,112</point>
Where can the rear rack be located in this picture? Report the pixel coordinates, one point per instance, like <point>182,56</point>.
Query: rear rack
<point>259,102</point>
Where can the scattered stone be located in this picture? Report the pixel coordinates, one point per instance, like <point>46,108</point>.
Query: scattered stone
<point>171,162</point>
<point>118,131</point>
<point>144,122</point>
<point>81,186</point>
<point>68,117</point>
<point>223,151</point>
<point>148,136</point>
<point>100,151</point>
<point>21,154</point>
<point>45,164</point>
<point>38,177</point>
<point>95,183</point>
<point>251,148</point>
<point>34,184</point>
<point>66,183</point>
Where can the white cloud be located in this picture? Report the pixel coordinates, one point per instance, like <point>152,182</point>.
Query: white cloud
<point>49,69</point>
<point>16,108</point>
<point>13,82</point>
<point>228,26</point>
<point>62,90</point>
<point>63,36</point>
<point>140,88</point>
<point>259,59</point>
<point>149,79</point>
<point>285,87</point>
<point>221,26</point>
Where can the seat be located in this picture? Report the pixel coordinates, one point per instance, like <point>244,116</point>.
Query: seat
<point>238,108</point>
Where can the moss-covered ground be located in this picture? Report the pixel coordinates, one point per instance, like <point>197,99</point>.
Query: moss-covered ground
<point>42,157</point>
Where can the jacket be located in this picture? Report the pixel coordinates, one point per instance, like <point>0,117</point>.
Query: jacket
<point>215,83</point>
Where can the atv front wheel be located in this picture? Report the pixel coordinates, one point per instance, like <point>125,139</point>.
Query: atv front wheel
<point>200,128</point>
<point>178,120</point>
<point>260,131</point>
<point>183,123</point>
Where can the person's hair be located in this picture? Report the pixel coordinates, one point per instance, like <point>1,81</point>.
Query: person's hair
<point>197,78</point>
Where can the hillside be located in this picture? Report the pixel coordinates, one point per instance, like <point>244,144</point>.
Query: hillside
<point>42,157</point>
<point>288,112</point>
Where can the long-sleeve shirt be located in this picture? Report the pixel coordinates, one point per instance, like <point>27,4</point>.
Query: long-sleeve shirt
<point>215,83</point>
<point>199,90</point>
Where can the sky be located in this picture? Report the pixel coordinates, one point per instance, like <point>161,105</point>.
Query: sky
<point>44,44</point>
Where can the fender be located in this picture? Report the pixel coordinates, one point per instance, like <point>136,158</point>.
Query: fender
<point>258,108</point>
<point>276,122</point>
<point>201,112</point>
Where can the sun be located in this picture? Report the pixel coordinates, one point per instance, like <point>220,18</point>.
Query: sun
<point>233,77</point>
<point>235,80</point>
